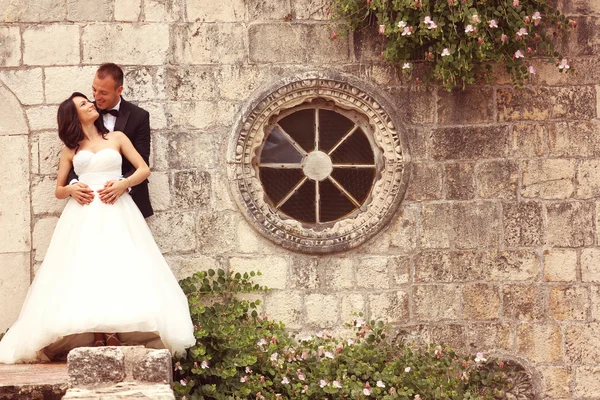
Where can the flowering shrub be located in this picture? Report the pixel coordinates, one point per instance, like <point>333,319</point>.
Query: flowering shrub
<point>242,355</point>
<point>459,39</point>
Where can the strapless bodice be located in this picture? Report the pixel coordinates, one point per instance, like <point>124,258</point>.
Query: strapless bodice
<point>97,168</point>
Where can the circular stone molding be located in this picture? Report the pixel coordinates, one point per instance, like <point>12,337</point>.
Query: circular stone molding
<point>386,136</point>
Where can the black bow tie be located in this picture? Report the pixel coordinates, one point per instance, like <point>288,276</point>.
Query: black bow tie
<point>111,112</point>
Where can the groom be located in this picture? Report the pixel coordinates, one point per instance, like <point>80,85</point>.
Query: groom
<point>120,115</point>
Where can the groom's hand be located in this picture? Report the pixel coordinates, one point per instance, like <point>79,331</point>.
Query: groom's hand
<point>82,193</point>
<point>112,190</point>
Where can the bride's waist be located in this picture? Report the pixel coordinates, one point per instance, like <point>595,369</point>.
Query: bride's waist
<point>99,178</point>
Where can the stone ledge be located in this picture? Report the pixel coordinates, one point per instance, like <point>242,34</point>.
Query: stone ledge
<point>123,390</point>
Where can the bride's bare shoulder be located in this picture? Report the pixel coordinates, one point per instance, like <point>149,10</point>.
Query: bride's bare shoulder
<point>67,153</point>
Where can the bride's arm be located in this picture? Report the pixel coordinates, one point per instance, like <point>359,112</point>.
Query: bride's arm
<point>64,166</point>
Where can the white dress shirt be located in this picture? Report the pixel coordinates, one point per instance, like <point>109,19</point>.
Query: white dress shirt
<point>111,120</point>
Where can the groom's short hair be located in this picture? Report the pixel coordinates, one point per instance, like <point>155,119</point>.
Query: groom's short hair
<point>112,70</point>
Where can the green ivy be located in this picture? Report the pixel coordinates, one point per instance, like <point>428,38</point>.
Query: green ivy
<point>459,40</point>
<point>242,355</point>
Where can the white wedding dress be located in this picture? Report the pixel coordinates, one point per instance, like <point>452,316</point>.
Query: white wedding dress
<point>103,272</point>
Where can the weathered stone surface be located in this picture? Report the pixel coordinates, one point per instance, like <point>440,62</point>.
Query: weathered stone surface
<point>575,139</point>
<point>160,191</point>
<point>548,178</point>
<point>372,273</point>
<point>289,46</point>
<point>191,114</point>
<point>48,149</point>
<point>191,150</point>
<point>203,43</point>
<point>581,7</point>
<point>436,223</point>
<point>529,140</point>
<point>310,9</point>
<point>523,224</point>
<point>163,11</point>
<point>584,40</point>
<point>14,282</point>
<point>142,83</point>
<point>38,39</point>
<point>352,305</point>
<point>543,103</point>
<point>540,343</point>
<point>287,307</point>
<point>123,390</point>
<point>42,117</point>
<point>497,179</point>
<point>26,84</point>
<point>14,193</point>
<point>12,119</point>
<point>556,381</point>
<point>580,342</point>
<point>338,273</point>
<point>401,269</point>
<point>569,303</point>
<point>418,139</point>
<point>470,143</point>
<point>216,232</point>
<point>158,118</point>
<point>467,107</point>
<point>425,182</point>
<point>436,302</point>
<point>236,82</point>
<point>452,335</point>
<point>90,366</point>
<point>587,382</point>
<point>269,9</point>
<point>569,224</point>
<point>10,42</point>
<point>595,302</point>
<point>43,200</point>
<point>191,83</point>
<point>400,234</point>
<point>561,265</point>
<point>305,274</point>
<point>590,265</point>
<point>89,10</point>
<point>275,270</point>
<point>459,181</point>
<point>42,233</point>
<point>155,366</point>
<point>489,336</point>
<point>588,179</point>
<point>523,302</point>
<point>481,301</point>
<point>389,306</point>
<point>188,265</point>
<point>414,104</point>
<point>475,225</point>
<point>209,11</point>
<point>32,11</point>
<point>191,189</point>
<point>322,309</point>
<point>174,231</point>
<point>125,44</point>
<point>128,10</point>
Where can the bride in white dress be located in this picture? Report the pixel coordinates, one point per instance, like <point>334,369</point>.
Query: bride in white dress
<point>103,275</point>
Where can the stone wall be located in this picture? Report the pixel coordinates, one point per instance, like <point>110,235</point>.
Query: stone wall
<point>495,247</point>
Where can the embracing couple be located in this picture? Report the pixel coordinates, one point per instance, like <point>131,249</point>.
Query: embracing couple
<point>103,280</point>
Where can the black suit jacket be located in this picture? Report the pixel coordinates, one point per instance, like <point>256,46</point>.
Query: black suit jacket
<point>134,121</point>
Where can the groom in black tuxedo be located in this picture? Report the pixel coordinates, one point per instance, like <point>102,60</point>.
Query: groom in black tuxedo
<point>120,115</point>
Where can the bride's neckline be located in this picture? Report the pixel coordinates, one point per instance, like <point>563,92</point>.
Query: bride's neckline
<point>106,148</point>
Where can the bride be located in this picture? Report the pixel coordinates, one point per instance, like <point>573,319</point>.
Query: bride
<point>103,280</point>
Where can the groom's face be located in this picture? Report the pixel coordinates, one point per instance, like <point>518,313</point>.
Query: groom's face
<point>106,92</point>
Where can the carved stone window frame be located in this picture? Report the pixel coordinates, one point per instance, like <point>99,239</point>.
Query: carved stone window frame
<point>388,134</point>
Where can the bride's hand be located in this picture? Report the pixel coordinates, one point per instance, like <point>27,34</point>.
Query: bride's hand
<point>82,193</point>
<point>112,190</point>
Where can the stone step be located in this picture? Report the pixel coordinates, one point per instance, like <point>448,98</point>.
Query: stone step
<point>33,381</point>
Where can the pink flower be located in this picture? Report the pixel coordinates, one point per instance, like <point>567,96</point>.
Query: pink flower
<point>522,32</point>
<point>445,52</point>
<point>417,397</point>
<point>407,31</point>
<point>493,23</point>
<point>248,370</point>
<point>244,379</point>
<point>475,18</point>
<point>336,384</point>
<point>515,3</point>
<point>204,364</point>
<point>564,64</point>
<point>404,66</point>
<point>479,357</point>
<point>531,69</point>
<point>183,382</point>
<point>285,380</point>
<point>380,384</point>
<point>323,383</point>
<point>328,354</point>
<point>469,28</point>
<point>536,16</point>
<point>480,40</point>
<point>527,19</point>
<point>427,20</point>
<point>401,25</point>
<point>381,29</point>
<point>177,366</point>
<point>367,391</point>
<point>504,38</point>
<point>519,54</point>
<point>300,375</point>
<point>432,25</point>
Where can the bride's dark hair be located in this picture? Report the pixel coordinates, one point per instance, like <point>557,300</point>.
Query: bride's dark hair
<point>69,126</point>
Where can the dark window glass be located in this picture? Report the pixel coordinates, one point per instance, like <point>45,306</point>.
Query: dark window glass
<point>301,127</point>
<point>301,206</point>
<point>334,204</point>
<point>279,182</point>
<point>333,127</point>
<point>357,181</point>
<point>278,149</point>
<point>356,149</point>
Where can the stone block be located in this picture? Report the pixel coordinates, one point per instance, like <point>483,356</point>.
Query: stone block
<point>595,302</point>
<point>90,366</point>
<point>391,307</point>
<point>523,302</point>
<point>475,225</point>
<point>49,150</point>
<point>418,139</point>
<point>42,117</point>
<point>560,265</point>
<point>158,117</point>
<point>544,103</point>
<point>155,366</point>
<point>372,273</point>
<point>144,84</point>
<point>128,10</point>
<point>286,307</point>
<point>459,181</point>
<point>12,118</point>
<point>290,44</point>
<point>14,283</point>
<point>575,139</point>
<point>556,381</point>
<point>311,9</point>
<point>352,304</point>
<point>38,39</point>
<point>489,337</point>
<point>60,82</point>
<point>89,10</point>
<point>127,44</point>
<point>436,302</point>
<point>569,224</point>
<point>414,104</point>
<point>191,189</point>
<point>581,7</point>
<point>569,303</point>
<point>584,41</point>
<point>497,179</point>
<point>470,143</point>
<point>548,178</point>
<point>26,84</point>
<point>588,179</point>
<point>580,343</point>
<point>14,197</point>
<point>191,114</point>
<point>523,224</point>
<point>43,200</point>
<point>217,232</point>
<point>187,265</point>
<point>163,11</point>
<point>367,46</point>
<point>540,343</point>
<point>436,225</point>
<point>259,10</point>
<point>322,310</point>
<point>10,40</point>
<point>402,231</point>
<point>235,82</point>
<point>191,83</point>
<point>160,191</point>
<point>338,273</point>
<point>481,301</point>
<point>401,269</point>
<point>250,241</point>
<point>466,107</point>
<point>587,382</point>
<point>274,269</point>
<point>590,265</point>
<point>33,11</point>
<point>305,273</point>
<point>209,11</point>
<point>452,335</point>
<point>206,43</point>
<point>529,140</point>
<point>122,390</point>
<point>425,182</point>
<point>174,231</point>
